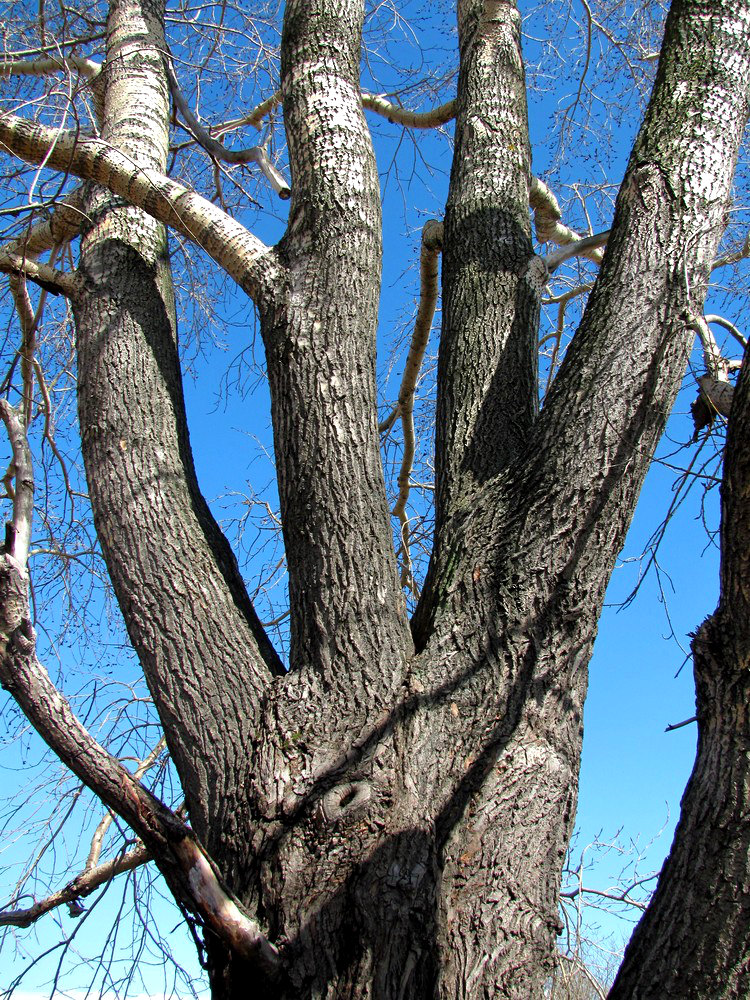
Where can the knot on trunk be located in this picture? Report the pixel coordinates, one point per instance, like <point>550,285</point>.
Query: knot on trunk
<point>347,799</point>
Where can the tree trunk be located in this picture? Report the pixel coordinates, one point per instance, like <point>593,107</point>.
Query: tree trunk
<point>705,882</point>
<point>422,858</point>
<point>395,809</point>
<point>152,521</point>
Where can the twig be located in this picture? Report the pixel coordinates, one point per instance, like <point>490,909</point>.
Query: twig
<point>678,725</point>
<point>581,967</point>
<point>81,886</point>
<point>47,432</point>
<point>735,257</point>
<point>106,821</point>
<point>253,154</point>
<point>589,16</point>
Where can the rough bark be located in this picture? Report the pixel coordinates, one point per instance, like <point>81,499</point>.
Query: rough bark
<point>488,353</point>
<point>705,882</point>
<point>395,819</point>
<point>206,670</point>
<point>320,346</point>
<point>515,590</point>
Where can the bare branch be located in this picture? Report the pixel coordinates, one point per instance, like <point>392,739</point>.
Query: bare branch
<point>63,225</point>
<point>49,66</point>
<point>54,49</point>
<point>678,725</point>
<point>578,248</point>
<point>433,118</point>
<point>580,967</point>
<point>49,278</point>
<point>254,154</point>
<point>720,321</point>
<point>244,257</point>
<point>735,257</point>
<point>562,302</point>
<point>17,545</point>
<point>81,886</point>
<point>187,869</point>
<point>254,117</point>
<point>412,119</point>
<point>432,243</point>
<point>106,821</point>
<point>547,216</point>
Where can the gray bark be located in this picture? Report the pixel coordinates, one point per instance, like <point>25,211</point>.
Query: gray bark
<point>395,810</point>
<point>206,670</point>
<point>705,882</point>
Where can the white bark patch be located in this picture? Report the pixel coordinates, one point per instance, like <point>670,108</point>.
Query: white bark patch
<point>334,112</point>
<point>221,912</point>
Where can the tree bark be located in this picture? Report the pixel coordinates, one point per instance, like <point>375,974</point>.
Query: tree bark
<point>705,882</point>
<point>395,810</point>
<point>203,651</point>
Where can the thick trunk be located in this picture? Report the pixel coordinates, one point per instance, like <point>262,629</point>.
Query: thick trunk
<point>421,858</point>
<point>398,820</point>
<point>693,941</point>
<point>198,640</point>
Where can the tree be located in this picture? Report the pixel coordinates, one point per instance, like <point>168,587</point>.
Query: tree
<point>388,817</point>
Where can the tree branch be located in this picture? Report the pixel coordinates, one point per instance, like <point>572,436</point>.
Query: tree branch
<point>106,821</point>
<point>81,886</point>
<point>254,154</point>
<point>432,245</point>
<point>433,118</point>
<point>547,216</point>
<point>187,869</point>
<point>49,66</point>
<point>19,535</point>
<point>64,224</point>
<point>721,321</point>
<point>252,264</point>
<point>48,278</point>
<point>440,115</point>
<point>679,725</point>
<point>583,247</point>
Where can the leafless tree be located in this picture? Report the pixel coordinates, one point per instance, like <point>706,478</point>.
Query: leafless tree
<point>384,812</point>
